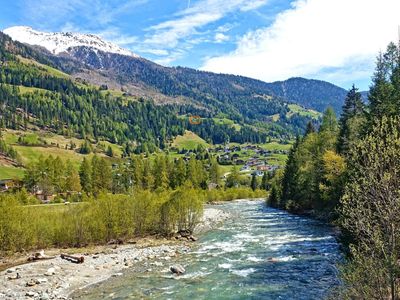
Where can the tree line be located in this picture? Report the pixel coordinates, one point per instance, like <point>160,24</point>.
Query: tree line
<point>348,171</point>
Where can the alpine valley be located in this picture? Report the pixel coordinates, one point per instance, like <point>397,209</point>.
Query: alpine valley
<point>118,175</point>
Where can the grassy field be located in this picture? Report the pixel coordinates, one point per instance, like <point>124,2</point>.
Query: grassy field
<point>47,69</point>
<point>7,172</point>
<point>116,148</point>
<point>294,108</point>
<point>225,121</point>
<point>55,146</point>
<point>276,146</point>
<point>188,141</point>
<point>277,159</point>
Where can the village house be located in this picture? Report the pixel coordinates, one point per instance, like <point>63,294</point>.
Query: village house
<point>263,167</point>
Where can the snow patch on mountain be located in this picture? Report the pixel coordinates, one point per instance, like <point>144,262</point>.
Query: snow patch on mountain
<point>57,42</point>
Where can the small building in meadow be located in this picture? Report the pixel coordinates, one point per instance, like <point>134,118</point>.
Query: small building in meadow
<point>263,168</point>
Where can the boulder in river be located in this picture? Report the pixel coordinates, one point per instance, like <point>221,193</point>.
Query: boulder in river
<point>177,269</point>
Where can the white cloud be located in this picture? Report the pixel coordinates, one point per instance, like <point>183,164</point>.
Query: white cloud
<point>253,5</point>
<point>313,37</point>
<point>220,37</point>
<point>186,23</point>
<point>227,27</point>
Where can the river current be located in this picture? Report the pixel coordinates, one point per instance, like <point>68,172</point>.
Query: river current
<point>258,253</point>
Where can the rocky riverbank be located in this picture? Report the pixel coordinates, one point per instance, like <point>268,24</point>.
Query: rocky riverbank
<point>58,278</point>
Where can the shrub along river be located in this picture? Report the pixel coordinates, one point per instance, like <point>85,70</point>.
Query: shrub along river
<point>258,253</point>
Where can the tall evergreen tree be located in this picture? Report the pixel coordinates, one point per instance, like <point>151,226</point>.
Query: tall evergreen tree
<point>264,181</point>
<point>383,95</point>
<point>290,175</point>
<point>310,128</point>
<point>72,180</point>
<point>214,172</point>
<point>85,175</point>
<point>253,183</point>
<point>329,121</point>
<point>351,121</point>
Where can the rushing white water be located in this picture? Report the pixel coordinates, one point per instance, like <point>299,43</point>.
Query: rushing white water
<point>259,253</point>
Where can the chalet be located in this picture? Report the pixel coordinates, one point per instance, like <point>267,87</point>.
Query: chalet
<point>253,162</point>
<point>263,167</point>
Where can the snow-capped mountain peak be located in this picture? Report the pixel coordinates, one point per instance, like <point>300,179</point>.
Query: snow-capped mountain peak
<point>57,42</point>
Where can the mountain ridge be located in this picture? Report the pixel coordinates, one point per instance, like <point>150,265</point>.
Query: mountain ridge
<point>58,42</point>
<point>243,99</point>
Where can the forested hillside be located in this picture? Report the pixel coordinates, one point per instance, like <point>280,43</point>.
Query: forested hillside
<point>244,100</point>
<point>32,93</point>
<point>238,96</point>
<point>310,93</point>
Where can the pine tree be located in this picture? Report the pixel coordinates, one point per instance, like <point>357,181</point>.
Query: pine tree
<point>110,151</point>
<point>160,173</point>
<point>72,181</point>
<point>310,128</point>
<point>214,173</point>
<point>383,95</point>
<point>329,121</point>
<point>264,182</point>
<point>85,175</point>
<point>290,175</point>
<point>273,198</point>
<point>351,121</point>
<point>147,179</point>
<point>86,147</point>
<point>253,183</point>
<point>136,168</point>
<point>179,173</point>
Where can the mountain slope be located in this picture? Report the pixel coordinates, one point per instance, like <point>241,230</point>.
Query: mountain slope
<point>33,94</point>
<point>310,93</point>
<point>235,95</point>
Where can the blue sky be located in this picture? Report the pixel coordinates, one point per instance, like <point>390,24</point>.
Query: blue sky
<point>331,40</point>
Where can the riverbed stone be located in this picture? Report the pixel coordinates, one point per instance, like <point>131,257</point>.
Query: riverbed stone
<point>44,296</point>
<point>178,269</point>
<point>30,294</point>
<point>31,283</point>
<point>41,280</point>
<point>50,272</point>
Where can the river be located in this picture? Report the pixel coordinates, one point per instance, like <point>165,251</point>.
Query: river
<point>259,253</point>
